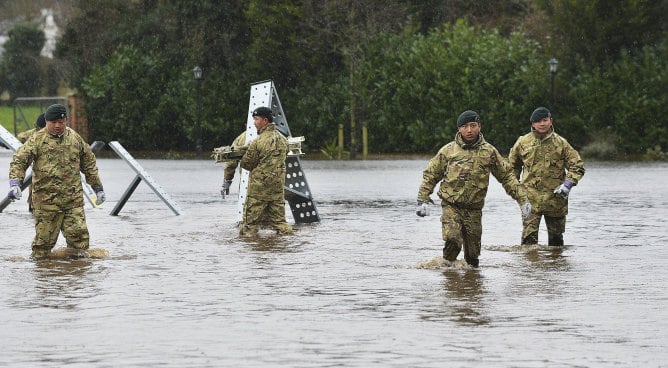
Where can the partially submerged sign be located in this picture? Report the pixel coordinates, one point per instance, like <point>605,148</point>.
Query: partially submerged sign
<point>141,175</point>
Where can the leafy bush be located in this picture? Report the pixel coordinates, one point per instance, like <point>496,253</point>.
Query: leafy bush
<point>418,85</point>
<point>626,99</point>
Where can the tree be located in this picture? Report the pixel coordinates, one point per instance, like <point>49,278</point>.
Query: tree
<point>21,64</point>
<point>419,84</point>
<point>599,30</point>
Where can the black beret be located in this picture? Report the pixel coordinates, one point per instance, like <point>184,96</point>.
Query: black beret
<point>55,112</point>
<point>264,112</point>
<point>467,117</point>
<point>540,114</point>
<point>40,122</point>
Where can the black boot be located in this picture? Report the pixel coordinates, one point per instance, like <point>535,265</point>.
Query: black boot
<point>473,262</point>
<point>531,239</point>
<point>555,240</point>
<point>451,250</point>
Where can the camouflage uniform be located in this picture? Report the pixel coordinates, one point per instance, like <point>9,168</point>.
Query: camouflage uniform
<point>23,137</point>
<point>544,164</point>
<point>56,187</point>
<point>463,170</point>
<point>231,166</point>
<point>265,201</point>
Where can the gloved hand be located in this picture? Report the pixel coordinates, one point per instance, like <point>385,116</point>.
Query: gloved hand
<point>564,188</point>
<point>14,189</point>
<point>226,187</point>
<point>101,197</point>
<point>526,210</point>
<point>422,209</point>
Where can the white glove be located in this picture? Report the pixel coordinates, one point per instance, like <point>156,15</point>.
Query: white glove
<point>564,188</point>
<point>14,189</point>
<point>422,209</point>
<point>101,197</point>
<point>526,210</point>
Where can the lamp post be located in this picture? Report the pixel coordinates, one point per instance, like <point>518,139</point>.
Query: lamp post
<point>553,71</point>
<point>197,71</point>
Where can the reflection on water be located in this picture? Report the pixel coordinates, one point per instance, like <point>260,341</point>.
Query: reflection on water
<point>365,287</point>
<point>58,284</point>
<point>550,259</point>
<point>464,291</point>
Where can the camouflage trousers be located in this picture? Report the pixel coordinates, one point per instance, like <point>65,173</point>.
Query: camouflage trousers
<point>461,227</point>
<point>49,224</point>
<point>259,213</point>
<point>555,229</point>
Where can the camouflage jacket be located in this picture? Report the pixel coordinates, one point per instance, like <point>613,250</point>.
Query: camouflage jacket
<point>24,136</point>
<point>463,170</point>
<point>544,164</point>
<point>56,163</point>
<point>265,159</point>
<point>231,166</point>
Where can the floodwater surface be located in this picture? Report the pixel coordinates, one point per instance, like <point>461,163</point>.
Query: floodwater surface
<point>364,287</point>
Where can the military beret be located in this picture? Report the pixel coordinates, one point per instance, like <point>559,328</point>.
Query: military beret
<point>540,114</point>
<point>264,112</point>
<point>467,117</point>
<point>55,112</point>
<point>40,122</point>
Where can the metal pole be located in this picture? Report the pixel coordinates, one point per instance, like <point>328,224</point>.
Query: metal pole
<point>552,88</point>
<point>553,71</point>
<point>199,120</point>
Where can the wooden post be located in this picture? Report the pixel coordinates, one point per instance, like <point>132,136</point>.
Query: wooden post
<point>365,143</point>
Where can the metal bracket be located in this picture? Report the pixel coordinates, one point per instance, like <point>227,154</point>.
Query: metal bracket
<point>141,175</point>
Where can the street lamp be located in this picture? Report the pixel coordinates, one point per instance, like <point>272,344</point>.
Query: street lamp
<point>553,71</point>
<point>197,71</point>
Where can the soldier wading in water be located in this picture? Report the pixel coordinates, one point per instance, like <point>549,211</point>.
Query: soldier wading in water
<point>265,160</point>
<point>550,167</point>
<point>57,155</point>
<point>463,167</point>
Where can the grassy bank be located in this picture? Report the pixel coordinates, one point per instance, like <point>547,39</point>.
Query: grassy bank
<point>7,118</point>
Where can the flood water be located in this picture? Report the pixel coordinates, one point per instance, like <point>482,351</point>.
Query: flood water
<point>362,288</point>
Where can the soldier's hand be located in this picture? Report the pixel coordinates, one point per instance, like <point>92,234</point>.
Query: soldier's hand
<point>226,187</point>
<point>526,210</point>
<point>564,188</point>
<point>15,191</point>
<point>101,197</point>
<point>422,209</point>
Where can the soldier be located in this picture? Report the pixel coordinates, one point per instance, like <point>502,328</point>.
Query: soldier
<point>231,166</point>
<point>265,160</point>
<point>57,155</point>
<point>550,167</point>
<point>23,137</point>
<point>39,124</point>
<point>463,167</point>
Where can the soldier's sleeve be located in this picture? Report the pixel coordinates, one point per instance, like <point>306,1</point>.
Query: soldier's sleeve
<point>251,158</point>
<point>515,160</point>
<point>21,160</point>
<point>574,165</point>
<point>230,169</point>
<point>23,136</point>
<point>231,166</point>
<point>240,140</point>
<point>504,174</point>
<point>434,173</point>
<point>88,166</point>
